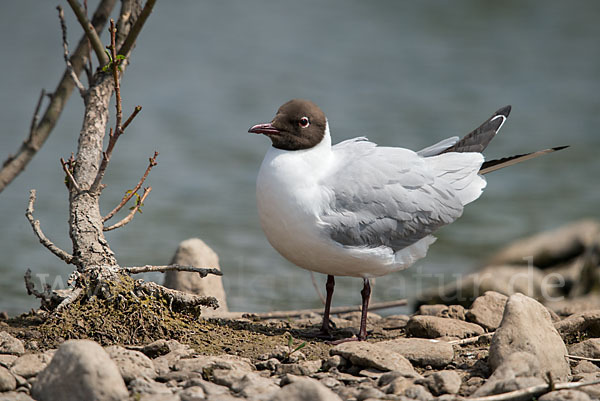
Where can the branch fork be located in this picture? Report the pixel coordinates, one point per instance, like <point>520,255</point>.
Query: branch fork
<point>35,224</point>
<point>63,27</point>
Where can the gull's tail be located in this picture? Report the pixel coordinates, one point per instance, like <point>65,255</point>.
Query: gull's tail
<point>478,139</point>
<point>493,165</point>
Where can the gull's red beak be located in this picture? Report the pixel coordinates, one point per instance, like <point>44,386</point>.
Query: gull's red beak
<point>266,129</point>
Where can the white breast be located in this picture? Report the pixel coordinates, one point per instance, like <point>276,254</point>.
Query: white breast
<point>290,201</point>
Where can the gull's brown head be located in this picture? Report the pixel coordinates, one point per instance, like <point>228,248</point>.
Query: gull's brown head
<point>299,124</point>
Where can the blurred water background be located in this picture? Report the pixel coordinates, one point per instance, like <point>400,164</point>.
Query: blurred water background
<point>402,73</point>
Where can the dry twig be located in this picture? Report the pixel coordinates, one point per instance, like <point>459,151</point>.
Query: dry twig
<point>45,295</point>
<point>470,340</point>
<point>119,129</point>
<point>316,286</point>
<point>90,32</point>
<point>38,133</point>
<point>334,310</point>
<point>70,178</point>
<point>136,28</point>
<point>177,299</point>
<point>149,268</point>
<point>130,194</point>
<point>63,27</point>
<point>132,213</point>
<point>34,122</point>
<point>533,391</point>
<point>72,297</point>
<point>582,358</point>
<point>35,224</point>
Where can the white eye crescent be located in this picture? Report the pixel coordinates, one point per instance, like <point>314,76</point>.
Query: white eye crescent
<point>304,122</point>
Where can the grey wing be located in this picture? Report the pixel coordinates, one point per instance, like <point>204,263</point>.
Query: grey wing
<point>386,197</point>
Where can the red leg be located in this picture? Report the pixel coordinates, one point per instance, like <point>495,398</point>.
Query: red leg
<point>366,294</point>
<point>362,333</point>
<point>329,287</point>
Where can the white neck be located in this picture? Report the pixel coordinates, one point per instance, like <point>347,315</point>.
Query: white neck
<point>299,165</point>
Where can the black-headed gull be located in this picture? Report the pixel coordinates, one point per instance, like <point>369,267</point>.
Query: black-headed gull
<point>356,209</point>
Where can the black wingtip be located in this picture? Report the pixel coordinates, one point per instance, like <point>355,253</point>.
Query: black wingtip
<point>504,111</point>
<point>561,147</point>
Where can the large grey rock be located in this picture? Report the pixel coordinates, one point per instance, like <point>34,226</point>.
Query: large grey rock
<point>202,362</point>
<point>194,252</point>
<point>589,348</point>
<point>10,345</point>
<point>29,365</point>
<point>418,392</point>
<point>398,385</point>
<point>565,395</point>
<point>305,389</point>
<point>441,310</point>
<point>192,393</point>
<point>592,391</point>
<point>7,380</point>
<point>421,351</point>
<point>487,310</point>
<point>148,387</point>
<point>434,327</point>
<point>505,279</point>
<point>131,364</point>
<point>527,327</point>
<point>574,305</point>
<point>371,355</point>
<point>443,382</point>
<point>15,396</point>
<point>80,370</point>
<point>370,393</point>
<point>551,247</point>
<point>244,383</point>
<point>7,360</point>
<point>165,362</point>
<point>587,323</point>
<point>585,367</point>
<point>519,370</point>
<point>302,368</point>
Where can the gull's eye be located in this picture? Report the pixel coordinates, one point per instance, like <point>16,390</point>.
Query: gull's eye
<point>304,122</point>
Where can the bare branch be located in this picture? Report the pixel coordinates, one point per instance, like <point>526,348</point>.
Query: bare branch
<point>34,120</point>
<point>335,310</point>
<point>88,66</point>
<point>130,194</point>
<point>470,340</point>
<point>115,71</point>
<point>131,214</point>
<point>137,27</point>
<point>70,177</point>
<point>131,117</point>
<point>118,130</point>
<point>72,297</point>
<point>314,283</point>
<point>63,27</point>
<point>533,391</point>
<point>35,224</point>
<point>45,295</point>
<point>582,358</point>
<point>40,132</point>
<point>149,268</point>
<point>179,300</point>
<point>90,32</point>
